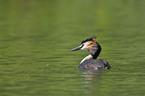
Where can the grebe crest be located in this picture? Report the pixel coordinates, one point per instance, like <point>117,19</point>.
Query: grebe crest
<point>91,62</point>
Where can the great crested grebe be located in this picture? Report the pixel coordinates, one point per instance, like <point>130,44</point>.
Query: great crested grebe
<point>91,62</point>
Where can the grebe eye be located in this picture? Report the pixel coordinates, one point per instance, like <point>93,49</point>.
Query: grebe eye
<point>82,45</point>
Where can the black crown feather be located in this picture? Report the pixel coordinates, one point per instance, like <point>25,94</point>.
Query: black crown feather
<point>89,39</point>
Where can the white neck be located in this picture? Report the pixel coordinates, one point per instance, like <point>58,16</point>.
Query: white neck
<point>86,58</point>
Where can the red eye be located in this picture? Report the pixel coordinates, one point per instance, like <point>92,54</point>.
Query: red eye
<point>82,45</point>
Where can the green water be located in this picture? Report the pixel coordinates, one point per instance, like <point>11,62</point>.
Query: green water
<point>35,36</point>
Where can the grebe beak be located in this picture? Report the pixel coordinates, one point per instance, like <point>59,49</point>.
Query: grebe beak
<point>75,49</point>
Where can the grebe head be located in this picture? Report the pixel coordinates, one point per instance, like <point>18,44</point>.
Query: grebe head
<point>91,45</point>
<point>85,45</point>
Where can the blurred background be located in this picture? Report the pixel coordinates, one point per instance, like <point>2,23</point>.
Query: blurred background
<point>36,35</point>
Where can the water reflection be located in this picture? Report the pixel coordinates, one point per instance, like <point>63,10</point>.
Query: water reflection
<point>90,82</point>
<point>90,77</point>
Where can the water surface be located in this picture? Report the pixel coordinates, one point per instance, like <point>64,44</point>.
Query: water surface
<point>35,37</point>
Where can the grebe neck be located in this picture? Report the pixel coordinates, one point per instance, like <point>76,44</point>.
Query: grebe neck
<point>97,53</point>
<point>86,58</point>
<point>94,52</point>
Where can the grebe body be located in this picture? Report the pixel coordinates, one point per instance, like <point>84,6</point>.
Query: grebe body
<point>94,64</point>
<point>91,62</point>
